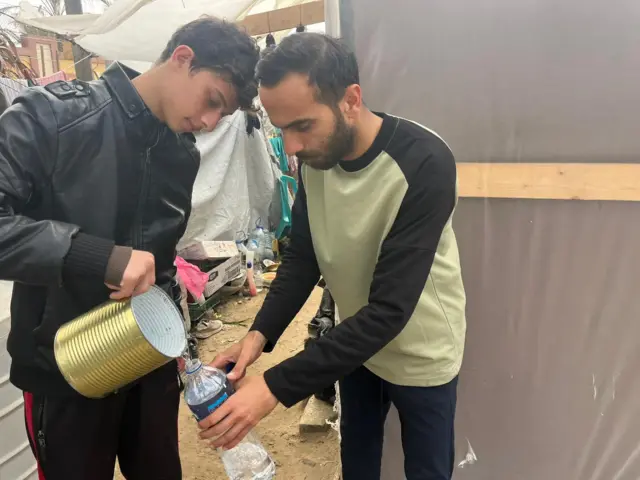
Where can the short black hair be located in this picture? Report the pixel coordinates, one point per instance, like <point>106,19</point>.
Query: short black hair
<point>330,65</point>
<point>221,47</point>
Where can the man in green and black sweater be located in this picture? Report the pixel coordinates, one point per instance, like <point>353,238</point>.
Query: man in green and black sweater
<point>373,217</point>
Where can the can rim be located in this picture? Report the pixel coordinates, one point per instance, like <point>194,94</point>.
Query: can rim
<point>160,332</point>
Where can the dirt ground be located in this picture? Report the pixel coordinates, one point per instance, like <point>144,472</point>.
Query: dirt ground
<point>298,456</point>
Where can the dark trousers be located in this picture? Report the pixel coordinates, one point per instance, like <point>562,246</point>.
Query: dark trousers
<point>426,417</point>
<point>80,439</point>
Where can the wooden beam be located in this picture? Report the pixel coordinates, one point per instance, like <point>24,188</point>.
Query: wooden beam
<point>556,181</point>
<point>284,18</point>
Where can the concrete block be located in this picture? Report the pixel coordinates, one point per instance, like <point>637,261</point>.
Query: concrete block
<point>315,416</point>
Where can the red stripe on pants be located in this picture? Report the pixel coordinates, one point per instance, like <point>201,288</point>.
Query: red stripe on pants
<point>28,414</point>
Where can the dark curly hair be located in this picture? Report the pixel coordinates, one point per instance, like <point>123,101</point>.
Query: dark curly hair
<point>329,64</point>
<point>221,47</point>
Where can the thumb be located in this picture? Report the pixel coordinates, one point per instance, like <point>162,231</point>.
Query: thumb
<point>241,365</point>
<point>222,361</point>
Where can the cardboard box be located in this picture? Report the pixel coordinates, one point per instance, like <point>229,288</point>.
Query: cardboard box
<point>209,250</point>
<point>223,274</point>
<point>221,260</point>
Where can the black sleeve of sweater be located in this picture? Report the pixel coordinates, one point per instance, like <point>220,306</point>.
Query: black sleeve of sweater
<point>400,275</point>
<point>297,275</point>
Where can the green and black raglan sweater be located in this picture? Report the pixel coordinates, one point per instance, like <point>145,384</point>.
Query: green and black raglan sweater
<point>378,229</point>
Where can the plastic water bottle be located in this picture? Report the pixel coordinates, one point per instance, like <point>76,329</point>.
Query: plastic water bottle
<point>267,245</point>
<point>261,241</point>
<point>207,388</point>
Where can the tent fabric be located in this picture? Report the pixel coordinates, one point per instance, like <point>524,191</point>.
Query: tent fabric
<point>235,186</point>
<point>549,386</point>
<point>141,34</point>
<point>11,88</point>
<point>138,30</point>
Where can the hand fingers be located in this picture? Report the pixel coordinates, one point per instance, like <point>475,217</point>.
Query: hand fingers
<point>241,365</point>
<point>141,288</point>
<point>232,437</point>
<point>219,428</point>
<point>240,383</point>
<point>218,415</point>
<point>225,358</point>
<point>145,283</point>
<point>121,294</point>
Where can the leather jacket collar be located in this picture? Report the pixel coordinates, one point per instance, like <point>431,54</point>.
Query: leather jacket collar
<point>144,126</point>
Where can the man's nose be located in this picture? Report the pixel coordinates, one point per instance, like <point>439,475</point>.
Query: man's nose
<point>210,120</point>
<point>291,143</point>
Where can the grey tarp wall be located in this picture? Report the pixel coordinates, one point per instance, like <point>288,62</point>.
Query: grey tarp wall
<point>549,388</point>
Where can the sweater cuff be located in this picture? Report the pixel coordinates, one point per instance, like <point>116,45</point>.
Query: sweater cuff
<point>88,256</point>
<point>118,261</point>
<point>272,338</point>
<point>278,386</point>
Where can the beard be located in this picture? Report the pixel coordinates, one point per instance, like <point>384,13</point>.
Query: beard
<point>339,144</point>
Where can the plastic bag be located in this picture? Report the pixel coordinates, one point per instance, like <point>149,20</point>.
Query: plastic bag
<point>194,279</point>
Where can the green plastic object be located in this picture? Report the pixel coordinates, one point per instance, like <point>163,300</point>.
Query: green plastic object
<point>278,149</point>
<point>285,218</point>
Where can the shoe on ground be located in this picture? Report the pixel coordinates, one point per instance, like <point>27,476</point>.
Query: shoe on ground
<point>207,328</point>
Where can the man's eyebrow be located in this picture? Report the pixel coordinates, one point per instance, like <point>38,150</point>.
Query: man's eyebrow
<point>295,123</point>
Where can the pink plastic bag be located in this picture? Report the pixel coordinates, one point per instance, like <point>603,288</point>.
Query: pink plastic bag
<point>194,279</point>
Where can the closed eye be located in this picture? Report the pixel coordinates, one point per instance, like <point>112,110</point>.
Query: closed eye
<point>302,127</point>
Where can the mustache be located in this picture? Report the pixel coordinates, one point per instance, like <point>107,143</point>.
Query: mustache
<point>308,154</point>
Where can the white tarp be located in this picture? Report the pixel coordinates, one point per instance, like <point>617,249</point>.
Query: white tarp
<point>235,185</point>
<point>62,24</point>
<point>138,30</point>
<point>143,35</point>
<point>11,88</point>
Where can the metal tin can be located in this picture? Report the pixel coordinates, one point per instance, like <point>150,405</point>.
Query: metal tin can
<point>119,342</point>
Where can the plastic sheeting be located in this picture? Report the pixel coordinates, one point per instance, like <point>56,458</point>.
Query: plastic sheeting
<point>138,30</point>
<point>548,389</point>
<point>11,88</point>
<point>143,34</point>
<point>235,186</point>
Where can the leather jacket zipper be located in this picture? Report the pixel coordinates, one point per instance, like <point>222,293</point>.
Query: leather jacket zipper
<point>41,435</point>
<point>137,239</point>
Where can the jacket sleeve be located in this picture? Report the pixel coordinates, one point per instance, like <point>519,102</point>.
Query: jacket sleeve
<point>297,275</point>
<point>401,272</point>
<point>38,252</point>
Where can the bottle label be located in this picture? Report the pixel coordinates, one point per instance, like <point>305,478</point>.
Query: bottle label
<point>203,410</point>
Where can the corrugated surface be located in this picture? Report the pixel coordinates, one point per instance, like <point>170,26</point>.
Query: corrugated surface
<point>16,460</point>
<point>110,346</point>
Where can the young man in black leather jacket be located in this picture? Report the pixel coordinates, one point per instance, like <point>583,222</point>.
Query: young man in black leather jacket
<point>95,192</point>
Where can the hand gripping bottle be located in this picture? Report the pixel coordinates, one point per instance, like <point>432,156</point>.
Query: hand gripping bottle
<point>206,389</point>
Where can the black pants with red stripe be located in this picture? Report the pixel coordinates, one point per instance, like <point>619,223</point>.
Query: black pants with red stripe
<point>80,439</point>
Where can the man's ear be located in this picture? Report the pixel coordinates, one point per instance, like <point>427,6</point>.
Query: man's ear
<point>352,99</point>
<point>182,56</point>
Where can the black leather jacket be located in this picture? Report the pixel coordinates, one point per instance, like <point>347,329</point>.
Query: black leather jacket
<point>83,167</point>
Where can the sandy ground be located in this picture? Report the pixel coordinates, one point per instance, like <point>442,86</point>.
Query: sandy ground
<point>298,456</point>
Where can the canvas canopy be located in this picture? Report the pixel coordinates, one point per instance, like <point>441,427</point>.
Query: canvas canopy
<point>138,30</point>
